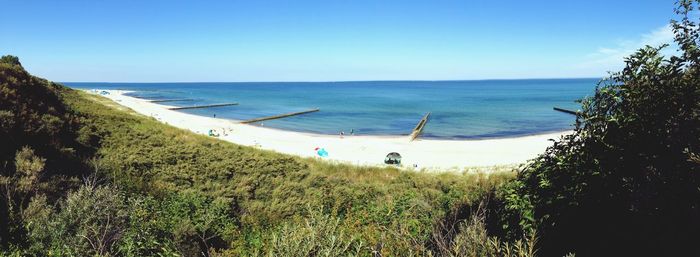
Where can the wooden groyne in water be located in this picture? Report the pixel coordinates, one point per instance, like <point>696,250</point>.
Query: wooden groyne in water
<point>279,116</point>
<point>170,100</point>
<point>565,111</point>
<point>202,106</point>
<point>419,127</point>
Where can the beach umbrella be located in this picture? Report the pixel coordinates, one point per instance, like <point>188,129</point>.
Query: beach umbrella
<point>393,158</point>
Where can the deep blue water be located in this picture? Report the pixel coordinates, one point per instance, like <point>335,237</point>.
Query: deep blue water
<point>460,109</point>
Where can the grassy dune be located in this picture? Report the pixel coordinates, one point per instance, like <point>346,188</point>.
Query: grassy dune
<point>385,209</point>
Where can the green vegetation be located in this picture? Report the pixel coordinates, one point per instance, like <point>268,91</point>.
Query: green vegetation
<point>81,176</point>
<point>40,152</point>
<point>626,182</point>
<point>112,182</point>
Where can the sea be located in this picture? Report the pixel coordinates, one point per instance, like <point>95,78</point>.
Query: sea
<point>465,109</point>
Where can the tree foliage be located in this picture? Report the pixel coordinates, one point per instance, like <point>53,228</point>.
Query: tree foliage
<point>626,181</point>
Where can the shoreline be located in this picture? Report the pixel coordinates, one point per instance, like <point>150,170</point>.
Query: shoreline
<point>454,155</point>
<point>311,133</point>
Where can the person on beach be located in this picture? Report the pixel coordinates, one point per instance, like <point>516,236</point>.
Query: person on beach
<point>352,132</point>
<point>214,115</point>
<point>342,134</point>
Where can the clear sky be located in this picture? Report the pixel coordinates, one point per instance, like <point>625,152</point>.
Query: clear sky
<point>259,40</point>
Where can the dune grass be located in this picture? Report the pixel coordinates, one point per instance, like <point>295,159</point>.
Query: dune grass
<point>376,205</point>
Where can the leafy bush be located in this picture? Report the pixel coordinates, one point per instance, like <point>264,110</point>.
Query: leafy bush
<point>470,238</point>
<point>317,235</point>
<point>91,221</point>
<point>103,220</point>
<point>198,223</point>
<point>626,181</point>
<point>9,59</point>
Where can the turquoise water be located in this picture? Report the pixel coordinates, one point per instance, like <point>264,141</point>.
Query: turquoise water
<point>460,109</point>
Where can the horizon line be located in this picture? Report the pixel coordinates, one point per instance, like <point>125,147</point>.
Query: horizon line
<point>333,81</point>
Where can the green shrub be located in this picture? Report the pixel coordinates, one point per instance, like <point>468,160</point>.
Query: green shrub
<point>9,59</point>
<point>625,182</point>
<point>90,221</point>
<point>470,238</point>
<point>317,235</point>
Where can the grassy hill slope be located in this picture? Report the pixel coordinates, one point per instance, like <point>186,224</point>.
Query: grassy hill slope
<point>157,189</point>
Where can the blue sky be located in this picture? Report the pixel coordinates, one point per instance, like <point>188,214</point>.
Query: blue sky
<point>168,41</point>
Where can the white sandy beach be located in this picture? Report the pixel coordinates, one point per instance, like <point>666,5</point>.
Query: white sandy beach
<point>433,155</point>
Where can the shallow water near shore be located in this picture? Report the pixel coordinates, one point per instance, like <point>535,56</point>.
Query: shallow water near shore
<point>460,109</point>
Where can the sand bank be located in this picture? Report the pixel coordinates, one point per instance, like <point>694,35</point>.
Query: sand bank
<point>433,155</point>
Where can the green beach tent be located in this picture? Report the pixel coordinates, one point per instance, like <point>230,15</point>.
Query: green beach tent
<point>393,158</point>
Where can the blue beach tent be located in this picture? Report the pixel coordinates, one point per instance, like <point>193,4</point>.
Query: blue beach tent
<point>321,152</point>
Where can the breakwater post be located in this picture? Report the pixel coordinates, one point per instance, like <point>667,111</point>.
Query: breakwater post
<point>565,111</point>
<point>201,106</point>
<point>170,100</point>
<point>279,116</point>
<point>419,127</point>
